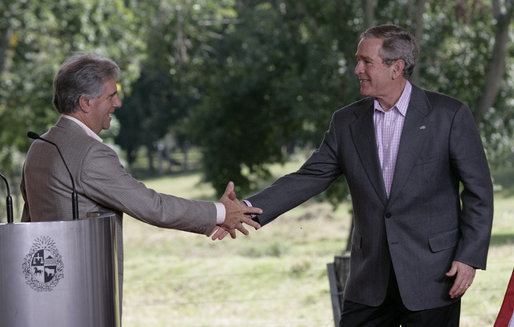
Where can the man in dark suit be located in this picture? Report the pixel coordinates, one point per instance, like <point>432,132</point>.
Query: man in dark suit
<point>85,93</point>
<point>404,152</point>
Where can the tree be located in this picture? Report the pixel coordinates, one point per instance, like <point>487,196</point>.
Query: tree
<point>249,80</point>
<point>35,38</point>
<point>177,35</point>
<point>280,70</point>
<point>495,72</point>
<point>283,51</point>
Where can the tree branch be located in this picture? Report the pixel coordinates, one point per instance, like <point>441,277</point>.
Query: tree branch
<point>497,64</point>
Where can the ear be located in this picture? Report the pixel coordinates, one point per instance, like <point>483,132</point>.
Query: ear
<point>398,67</point>
<point>84,104</point>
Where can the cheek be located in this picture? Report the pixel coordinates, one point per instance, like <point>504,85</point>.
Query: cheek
<point>105,114</point>
<point>373,72</point>
<point>380,76</point>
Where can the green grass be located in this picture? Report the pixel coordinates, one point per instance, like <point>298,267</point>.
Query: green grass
<point>274,277</point>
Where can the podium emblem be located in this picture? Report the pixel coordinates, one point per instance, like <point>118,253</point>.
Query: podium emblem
<point>43,266</point>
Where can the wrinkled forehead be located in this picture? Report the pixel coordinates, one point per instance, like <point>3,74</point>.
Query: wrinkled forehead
<point>369,47</point>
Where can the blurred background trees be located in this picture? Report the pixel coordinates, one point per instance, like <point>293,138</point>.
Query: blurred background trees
<point>245,82</point>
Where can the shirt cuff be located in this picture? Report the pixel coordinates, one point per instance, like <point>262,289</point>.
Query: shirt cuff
<point>249,204</point>
<point>220,213</point>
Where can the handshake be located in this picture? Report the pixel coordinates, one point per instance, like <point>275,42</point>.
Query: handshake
<point>236,213</point>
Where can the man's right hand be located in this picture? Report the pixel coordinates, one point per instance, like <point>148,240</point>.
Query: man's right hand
<point>237,213</point>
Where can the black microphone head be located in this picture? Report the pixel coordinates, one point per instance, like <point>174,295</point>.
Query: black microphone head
<point>32,135</point>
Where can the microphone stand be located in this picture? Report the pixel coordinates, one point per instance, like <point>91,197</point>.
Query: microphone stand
<point>74,196</point>
<point>8,201</point>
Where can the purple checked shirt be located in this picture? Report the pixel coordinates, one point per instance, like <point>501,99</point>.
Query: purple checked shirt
<point>388,130</point>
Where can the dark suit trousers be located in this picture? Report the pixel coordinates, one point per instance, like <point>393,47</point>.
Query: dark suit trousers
<point>392,313</point>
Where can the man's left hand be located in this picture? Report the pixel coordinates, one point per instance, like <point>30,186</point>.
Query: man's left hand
<point>464,276</point>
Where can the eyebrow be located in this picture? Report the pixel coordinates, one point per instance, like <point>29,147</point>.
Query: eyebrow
<point>113,93</point>
<point>363,57</point>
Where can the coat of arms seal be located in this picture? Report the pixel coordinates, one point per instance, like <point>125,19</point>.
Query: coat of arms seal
<point>43,266</point>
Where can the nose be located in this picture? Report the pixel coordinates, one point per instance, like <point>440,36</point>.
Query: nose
<point>358,67</point>
<point>117,102</point>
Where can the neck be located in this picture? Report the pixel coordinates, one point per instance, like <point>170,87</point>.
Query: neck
<point>79,115</point>
<point>389,100</point>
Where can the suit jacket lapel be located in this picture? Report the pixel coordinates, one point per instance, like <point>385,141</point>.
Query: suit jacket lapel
<point>413,136</point>
<point>363,135</point>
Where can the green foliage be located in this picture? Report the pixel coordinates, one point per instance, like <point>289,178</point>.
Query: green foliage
<point>455,62</point>
<point>462,53</point>
<point>282,63</point>
<point>177,35</point>
<point>292,63</point>
<point>39,36</point>
<point>247,81</point>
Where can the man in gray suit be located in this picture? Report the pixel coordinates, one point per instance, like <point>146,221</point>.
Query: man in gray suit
<point>404,152</point>
<point>85,93</point>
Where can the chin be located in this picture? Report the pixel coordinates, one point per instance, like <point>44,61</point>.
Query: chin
<point>364,92</point>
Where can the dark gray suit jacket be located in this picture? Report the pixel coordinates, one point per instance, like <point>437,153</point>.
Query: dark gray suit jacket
<point>425,224</point>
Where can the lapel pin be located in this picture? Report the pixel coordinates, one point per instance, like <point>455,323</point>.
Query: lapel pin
<point>422,127</point>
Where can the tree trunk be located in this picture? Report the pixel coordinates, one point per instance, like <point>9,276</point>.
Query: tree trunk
<point>369,13</point>
<point>185,151</point>
<point>131,155</point>
<point>497,64</point>
<point>4,43</point>
<point>149,155</point>
<point>418,33</point>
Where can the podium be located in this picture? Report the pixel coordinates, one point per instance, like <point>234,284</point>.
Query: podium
<point>59,273</point>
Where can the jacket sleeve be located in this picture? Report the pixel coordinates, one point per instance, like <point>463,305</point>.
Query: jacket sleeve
<point>469,163</point>
<point>289,191</point>
<point>25,215</point>
<point>105,181</point>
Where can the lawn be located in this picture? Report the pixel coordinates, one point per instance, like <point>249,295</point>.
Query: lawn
<point>277,275</point>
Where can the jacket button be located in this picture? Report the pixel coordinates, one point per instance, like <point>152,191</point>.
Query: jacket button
<point>388,215</point>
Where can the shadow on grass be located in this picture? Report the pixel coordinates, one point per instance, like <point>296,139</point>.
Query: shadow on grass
<point>502,239</point>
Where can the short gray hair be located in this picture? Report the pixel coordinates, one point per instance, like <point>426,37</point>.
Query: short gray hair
<point>397,44</point>
<point>81,75</point>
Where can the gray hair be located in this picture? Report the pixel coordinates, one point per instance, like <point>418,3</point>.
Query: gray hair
<point>81,75</point>
<point>397,44</point>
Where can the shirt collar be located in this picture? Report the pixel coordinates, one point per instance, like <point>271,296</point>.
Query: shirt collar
<point>84,127</point>
<point>403,102</point>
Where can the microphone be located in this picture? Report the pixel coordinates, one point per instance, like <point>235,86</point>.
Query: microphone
<point>74,197</point>
<point>8,201</point>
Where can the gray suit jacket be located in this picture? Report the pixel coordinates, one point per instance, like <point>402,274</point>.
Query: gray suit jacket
<point>424,224</point>
<point>102,186</point>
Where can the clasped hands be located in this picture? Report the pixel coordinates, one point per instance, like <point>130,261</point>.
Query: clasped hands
<point>236,213</point>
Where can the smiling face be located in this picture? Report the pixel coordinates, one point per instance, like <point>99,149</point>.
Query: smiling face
<point>102,107</point>
<point>376,78</point>
<point>374,75</point>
